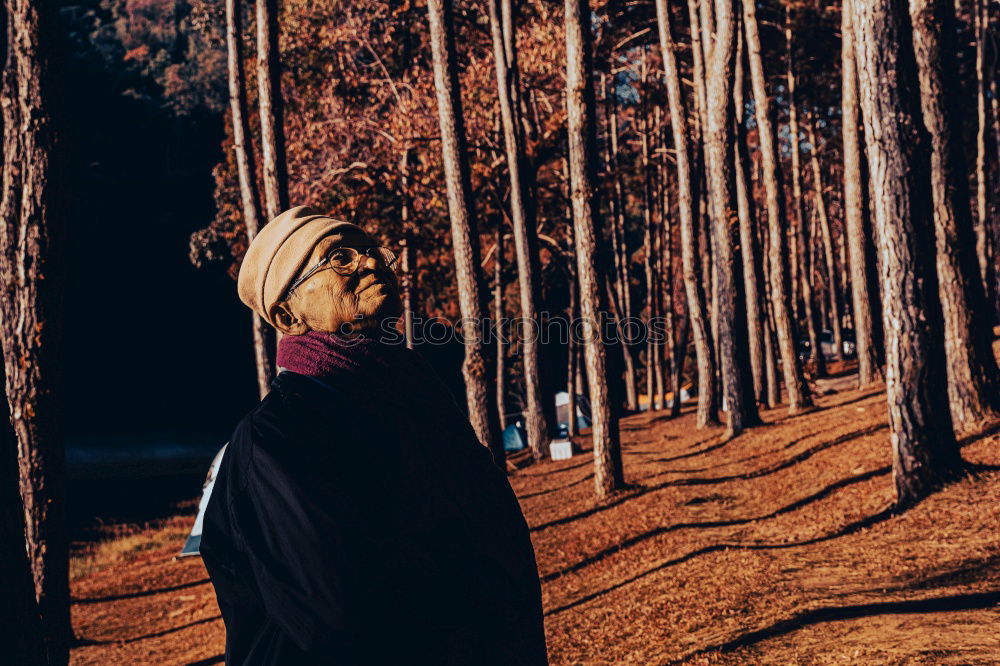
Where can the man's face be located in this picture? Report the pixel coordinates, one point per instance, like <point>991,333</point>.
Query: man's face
<point>330,302</point>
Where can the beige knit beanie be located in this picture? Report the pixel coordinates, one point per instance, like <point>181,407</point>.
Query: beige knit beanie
<point>278,253</point>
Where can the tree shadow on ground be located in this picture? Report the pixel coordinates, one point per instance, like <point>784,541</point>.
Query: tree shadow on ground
<point>143,593</point>
<point>650,534</point>
<point>851,528</point>
<point>867,395</point>
<point>644,490</point>
<point>957,602</point>
<point>557,488</point>
<point>785,446</point>
<point>155,634</point>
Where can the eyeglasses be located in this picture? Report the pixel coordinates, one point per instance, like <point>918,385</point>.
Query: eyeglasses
<point>346,260</point>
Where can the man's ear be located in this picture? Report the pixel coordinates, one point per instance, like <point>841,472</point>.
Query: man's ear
<point>286,321</point>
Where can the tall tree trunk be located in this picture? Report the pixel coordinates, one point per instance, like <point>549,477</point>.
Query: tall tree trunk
<point>620,243</point>
<point>272,131</point>
<point>574,355</point>
<point>719,145</point>
<point>407,260</point>
<point>798,393</point>
<point>980,25</point>
<point>263,334</point>
<point>676,336</point>
<point>750,249</point>
<point>18,609</point>
<point>700,45</point>
<point>798,205</point>
<point>582,138</point>
<point>924,453</point>
<point>525,239</point>
<point>499,314</point>
<point>31,219</point>
<point>686,195</point>
<point>829,258</point>
<point>573,365</point>
<point>649,250</point>
<point>856,223</point>
<point>770,339</point>
<point>465,240</point>
<point>972,368</point>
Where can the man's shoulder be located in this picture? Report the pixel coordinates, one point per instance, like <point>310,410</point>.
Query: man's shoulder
<point>296,414</point>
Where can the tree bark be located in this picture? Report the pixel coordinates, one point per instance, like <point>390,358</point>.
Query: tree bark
<point>525,239</point>
<point>572,367</point>
<point>798,205</point>
<point>649,233</point>
<point>924,450</point>
<point>18,609</point>
<point>829,258</point>
<point>742,412</point>
<point>269,99</point>
<point>750,248</point>
<point>973,392</point>
<point>620,244</point>
<point>499,313</point>
<point>407,259</point>
<point>465,240</point>
<point>31,219</point>
<point>686,195</point>
<point>980,25</point>
<point>263,334</point>
<point>784,328</point>
<point>856,223</point>
<point>580,105</point>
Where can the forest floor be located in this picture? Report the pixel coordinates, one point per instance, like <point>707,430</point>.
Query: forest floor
<point>778,547</point>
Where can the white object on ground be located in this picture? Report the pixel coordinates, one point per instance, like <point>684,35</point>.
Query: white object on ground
<point>561,449</point>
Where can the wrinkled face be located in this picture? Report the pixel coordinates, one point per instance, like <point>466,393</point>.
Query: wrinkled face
<point>330,302</point>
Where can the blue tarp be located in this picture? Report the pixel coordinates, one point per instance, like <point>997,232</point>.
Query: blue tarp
<point>514,437</point>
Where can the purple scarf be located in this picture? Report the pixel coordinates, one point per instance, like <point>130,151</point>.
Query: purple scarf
<point>371,371</point>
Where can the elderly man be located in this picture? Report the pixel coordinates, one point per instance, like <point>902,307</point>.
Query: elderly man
<point>356,519</point>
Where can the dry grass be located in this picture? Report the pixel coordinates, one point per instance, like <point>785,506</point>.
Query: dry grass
<point>777,547</point>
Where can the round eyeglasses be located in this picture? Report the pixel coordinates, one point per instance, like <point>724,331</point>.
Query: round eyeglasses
<point>346,260</point>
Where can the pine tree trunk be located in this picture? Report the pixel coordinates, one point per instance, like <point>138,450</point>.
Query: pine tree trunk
<point>676,337</point>
<point>31,219</point>
<point>465,240</point>
<point>581,112</point>
<point>798,205</point>
<point>770,339</point>
<point>499,313</point>
<point>700,38</point>
<point>18,609</point>
<point>784,328</point>
<point>263,334</point>
<point>620,244</point>
<point>856,224</point>
<point>525,240</point>
<point>925,453</point>
<point>972,368</point>
<point>980,26</point>
<point>649,234</point>
<point>272,131</point>
<point>407,259</point>
<point>750,249</point>
<point>686,196</point>
<point>719,147</point>
<point>571,365</point>
<point>829,258</point>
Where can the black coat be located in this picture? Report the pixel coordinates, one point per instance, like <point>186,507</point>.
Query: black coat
<point>344,529</point>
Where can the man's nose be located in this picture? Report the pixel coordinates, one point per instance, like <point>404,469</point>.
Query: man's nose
<point>368,263</point>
